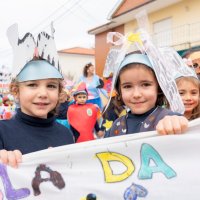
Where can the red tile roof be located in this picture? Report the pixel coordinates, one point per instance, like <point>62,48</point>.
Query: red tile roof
<point>128,5</point>
<point>78,50</point>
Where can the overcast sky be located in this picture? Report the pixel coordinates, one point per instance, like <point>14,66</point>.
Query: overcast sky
<point>72,19</point>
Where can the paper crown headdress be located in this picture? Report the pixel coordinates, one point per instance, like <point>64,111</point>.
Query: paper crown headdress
<point>80,88</point>
<point>142,41</point>
<point>177,65</point>
<point>110,64</point>
<point>26,49</point>
<point>158,62</point>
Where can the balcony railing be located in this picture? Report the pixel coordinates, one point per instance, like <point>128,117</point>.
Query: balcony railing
<point>181,37</point>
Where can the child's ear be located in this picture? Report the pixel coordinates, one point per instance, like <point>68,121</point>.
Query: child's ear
<point>60,96</point>
<point>15,92</point>
<point>75,97</point>
<point>16,96</point>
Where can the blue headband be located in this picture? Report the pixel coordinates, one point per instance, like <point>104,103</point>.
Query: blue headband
<point>179,75</point>
<point>37,70</point>
<point>136,58</point>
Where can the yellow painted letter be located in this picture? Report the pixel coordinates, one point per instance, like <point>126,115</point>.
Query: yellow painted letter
<point>107,157</point>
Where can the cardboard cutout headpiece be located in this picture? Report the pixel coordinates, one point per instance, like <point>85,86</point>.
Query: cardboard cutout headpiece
<point>177,65</point>
<point>152,57</point>
<point>27,49</point>
<point>110,64</point>
<point>80,89</point>
<point>142,41</point>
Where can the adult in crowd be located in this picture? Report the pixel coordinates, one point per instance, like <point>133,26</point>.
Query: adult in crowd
<point>94,85</point>
<point>192,59</point>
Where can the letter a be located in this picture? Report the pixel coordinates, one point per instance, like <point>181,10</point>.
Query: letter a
<point>107,157</point>
<point>148,153</point>
<point>55,178</point>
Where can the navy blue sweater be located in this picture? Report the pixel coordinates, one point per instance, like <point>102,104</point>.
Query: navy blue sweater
<point>134,123</point>
<point>29,134</point>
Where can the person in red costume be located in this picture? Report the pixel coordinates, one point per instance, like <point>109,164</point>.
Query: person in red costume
<point>82,116</point>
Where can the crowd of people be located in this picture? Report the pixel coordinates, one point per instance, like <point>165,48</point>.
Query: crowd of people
<point>47,115</point>
<point>7,106</point>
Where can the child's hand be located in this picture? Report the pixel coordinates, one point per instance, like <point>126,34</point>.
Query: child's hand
<point>172,125</point>
<point>11,158</point>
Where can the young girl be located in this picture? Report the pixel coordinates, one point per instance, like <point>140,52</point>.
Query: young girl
<point>138,89</point>
<point>37,87</point>
<point>189,89</point>
<point>187,83</point>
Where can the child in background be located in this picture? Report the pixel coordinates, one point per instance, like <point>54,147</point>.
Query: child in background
<point>83,116</point>
<point>12,105</point>
<point>61,116</point>
<point>189,89</point>
<point>7,112</point>
<point>138,89</point>
<point>37,87</point>
<point>187,83</point>
<point>9,107</point>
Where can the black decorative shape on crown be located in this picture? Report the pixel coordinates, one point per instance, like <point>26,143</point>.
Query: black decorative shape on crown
<point>20,41</point>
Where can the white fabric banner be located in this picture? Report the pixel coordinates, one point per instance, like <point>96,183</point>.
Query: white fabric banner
<point>138,166</point>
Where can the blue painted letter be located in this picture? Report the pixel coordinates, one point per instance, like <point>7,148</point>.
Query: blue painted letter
<point>148,153</point>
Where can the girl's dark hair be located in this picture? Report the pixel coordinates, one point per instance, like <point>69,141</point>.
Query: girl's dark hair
<point>86,67</point>
<point>161,100</point>
<point>113,105</point>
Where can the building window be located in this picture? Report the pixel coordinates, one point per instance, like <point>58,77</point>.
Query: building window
<point>162,32</point>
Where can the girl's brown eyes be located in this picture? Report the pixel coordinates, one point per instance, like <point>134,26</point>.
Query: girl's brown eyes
<point>52,86</point>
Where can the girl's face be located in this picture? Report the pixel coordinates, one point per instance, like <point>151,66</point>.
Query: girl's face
<point>81,98</point>
<point>90,70</point>
<point>139,88</point>
<point>189,92</point>
<point>37,98</point>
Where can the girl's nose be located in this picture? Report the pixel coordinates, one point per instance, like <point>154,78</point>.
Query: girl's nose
<point>187,97</point>
<point>136,92</point>
<point>42,92</point>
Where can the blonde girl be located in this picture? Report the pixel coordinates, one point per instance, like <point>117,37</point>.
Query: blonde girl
<point>189,90</point>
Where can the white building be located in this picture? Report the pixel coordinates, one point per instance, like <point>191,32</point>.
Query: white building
<point>73,60</point>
